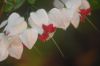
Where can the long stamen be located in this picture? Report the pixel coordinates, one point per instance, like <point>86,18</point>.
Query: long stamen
<point>58,47</point>
<point>92,24</point>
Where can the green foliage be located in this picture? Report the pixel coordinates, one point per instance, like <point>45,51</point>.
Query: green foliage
<point>11,5</point>
<point>95,4</point>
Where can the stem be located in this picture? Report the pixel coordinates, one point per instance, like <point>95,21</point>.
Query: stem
<point>92,25</point>
<point>37,50</point>
<point>58,47</point>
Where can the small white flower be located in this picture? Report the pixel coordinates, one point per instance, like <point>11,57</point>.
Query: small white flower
<point>75,9</point>
<point>10,46</point>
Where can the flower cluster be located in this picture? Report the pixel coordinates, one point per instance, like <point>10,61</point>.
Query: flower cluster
<point>42,26</point>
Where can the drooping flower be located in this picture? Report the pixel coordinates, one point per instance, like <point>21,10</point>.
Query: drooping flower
<point>10,43</point>
<point>40,21</point>
<point>75,8</point>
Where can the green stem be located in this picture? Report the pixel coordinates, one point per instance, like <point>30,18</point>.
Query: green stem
<point>58,47</point>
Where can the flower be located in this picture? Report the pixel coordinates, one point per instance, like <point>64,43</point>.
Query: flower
<point>10,43</point>
<point>10,46</point>
<point>40,21</point>
<point>71,11</point>
<point>18,26</point>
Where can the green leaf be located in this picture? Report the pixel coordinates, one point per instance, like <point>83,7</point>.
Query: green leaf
<point>95,4</point>
<point>18,3</point>
<point>8,7</point>
<point>13,5</point>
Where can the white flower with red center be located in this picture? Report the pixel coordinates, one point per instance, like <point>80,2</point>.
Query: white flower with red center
<point>11,46</point>
<point>39,20</point>
<point>18,26</point>
<point>75,8</point>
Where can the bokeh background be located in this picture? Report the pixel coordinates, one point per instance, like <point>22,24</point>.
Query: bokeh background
<point>81,46</point>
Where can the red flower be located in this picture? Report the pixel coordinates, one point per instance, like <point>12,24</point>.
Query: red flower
<point>47,30</point>
<point>43,37</point>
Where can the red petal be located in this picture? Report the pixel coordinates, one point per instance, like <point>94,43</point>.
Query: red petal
<point>43,37</point>
<point>49,28</point>
<point>85,12</point>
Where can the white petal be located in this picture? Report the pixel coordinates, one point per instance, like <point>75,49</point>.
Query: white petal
<point>3,47</point>
<point>3,23</point>
<point>75,20</point>
<point>59,18</point>
<point>16,48</point>
<point>39,29</point>
<point>12,18</point>
<point>16,24</point>
<point>29,37</point>
<point>73,4</point>
<point>58,4</point>
<point>65,20</point>
<point>16,28</point>
<point>85,4</point>
<point>55,16</point>
<point>39,18</point>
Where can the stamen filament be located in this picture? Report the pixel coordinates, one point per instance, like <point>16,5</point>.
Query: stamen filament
<point>57,47</point>
<point>92,24</point>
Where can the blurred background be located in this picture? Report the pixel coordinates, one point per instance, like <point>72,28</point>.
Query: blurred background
<point>81,47</point>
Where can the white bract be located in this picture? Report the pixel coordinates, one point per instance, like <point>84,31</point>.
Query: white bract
<point>59,18</point>
<point>85,4</point>
<point>15,24</point>
<point>29,37</point>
